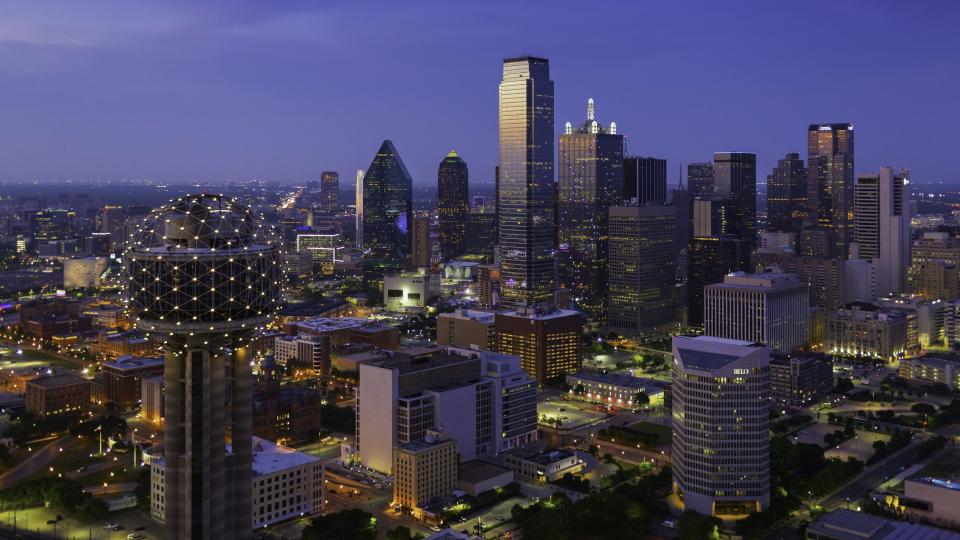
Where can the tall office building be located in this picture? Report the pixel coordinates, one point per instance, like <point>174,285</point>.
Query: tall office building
<point>387,214</point>
<point>709,258</point>
<point>329,190</point>
<point>830,182</point>
<point>645,179</point>
<point>546,340</point>
<point>421,248</point>
<point>643,259</point>
<point>882,227</point>
<point>721,423</point>
<point>590,182</point>
<point>358,206</point>
<point>525,187</point>
<point>204,276</point>
<point>453,205</point>
<point>787,195</point>
<point>769,308</point>
<point>735,180</point>
<point>699,186</point>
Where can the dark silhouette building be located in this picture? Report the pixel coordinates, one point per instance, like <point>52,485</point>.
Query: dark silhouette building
<point>645,180</point>
<point>453,205</point>
<point>830,180</point>
<point>329,190</point>
<point>787,195</point>
<point>708,260</point>
<point>735,179</point>
<point>387,214</point>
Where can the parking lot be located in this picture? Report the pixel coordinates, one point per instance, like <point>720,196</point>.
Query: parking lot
<point>570,414</point>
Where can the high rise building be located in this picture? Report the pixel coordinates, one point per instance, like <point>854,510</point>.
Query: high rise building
<point>424,470</point>
<point>358,206</point>
<point>204,277</point>
<point>525,187</point>
<point>709,258</point>
<point>645,179</point>
<point>721,423</point>
<point>480,232</point>
<point>453,205</point>
<point>787,195</point>
<point>329,190</point>
<point>882,227</point>
<point>643,259</point>
<point>387,214</point>
<point>933,246</point>
<point>866,330</point>
<point>830,182</point>
<point>801,379</point>
<point>400,397</point>
<point>590,182</point>
<point>700,180</point>
<point>735,179</point>
<point>769,308</point>
<point>421,245</point>
<point>934,279</point>
<point>546,340</point>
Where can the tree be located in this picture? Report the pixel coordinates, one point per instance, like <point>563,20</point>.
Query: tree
<point>924,408</point>
<point>593,450</point>
<point>694,526</point>
<point>402,532</point>
<point>843,385</point>
<point>352,524</point>
<point>641,399</point>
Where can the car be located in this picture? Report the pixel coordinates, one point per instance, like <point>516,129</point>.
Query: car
<point>134,536</point>
<point>435,528</point>
<point>109,526</point>
<point>669,523</point>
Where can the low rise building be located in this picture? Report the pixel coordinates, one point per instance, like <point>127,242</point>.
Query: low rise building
<point>932,370</point>
<point>151,399</point>
<point>846,524</point>
<point>47,318</point>
<point>800,379</point>
<point>614,389</point>
<point>865,330</point>
<point>409,290</point>
<point>59,394</point>
<point>931,500</point>
<point>304,351</point>
<point>424,470</point>
<point>122,379</point>
<point>347,330</point>
<point>286,484</point>
<point>115,345</point>
<point>476,477</point>
<point>468,329</point>
<point>542,465</point>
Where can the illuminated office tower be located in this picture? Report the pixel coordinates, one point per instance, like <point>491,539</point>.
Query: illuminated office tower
<point>421,246</point>
<point>329,190</point>
<point>645,179</point>
<point>546,339</point>
<point>882,227</point>
<point>358,206</point>
<point>453,205</point>
<point>643,259</point>
<point>590,181</point>
<point>525,187</point>
<point>787,195</point>
<point>721,425</point>
<point>830,182</point>
<point>735,180</point>
<point>387,214</point>
<point>204,277</point>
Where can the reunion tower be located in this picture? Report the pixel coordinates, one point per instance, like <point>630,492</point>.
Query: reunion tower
<point>204,277</point>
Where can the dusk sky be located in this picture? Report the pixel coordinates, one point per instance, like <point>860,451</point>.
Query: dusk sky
<point>225,90</point>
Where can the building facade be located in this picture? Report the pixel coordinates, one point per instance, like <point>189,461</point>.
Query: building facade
<point>709,258</point>
<point>122,379</point>
<point>830,183</point>
<point>467,329</point>
<point>735,181</point>
<point>800,379</point>
<point>59,394</point>
<point>769,308</point>
<point>642,268</point>
<point>787,195</point>
<point>329,191</point>
<point>424,470</point>
<point>882,227</point>
<point>525,186</point>
<point>547,341</point>
<point>453,205</point>
<point>387,214</point>
<point>865,330</point>
<point>721,423</point>
<point>644,180</point>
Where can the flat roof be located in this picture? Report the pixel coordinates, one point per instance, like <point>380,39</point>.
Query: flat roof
<point>269,458</point>
<point>125,363</point>
<point>58,380</point>
<point>619,379</point>
<point>478,471</point>
<point>412,364</point>
<point>846,524</point>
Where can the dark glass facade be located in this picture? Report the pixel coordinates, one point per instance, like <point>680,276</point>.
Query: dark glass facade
<point>645,179</point>
<point>525,186</point>
<point>387,214</point>
<point>830,182</point>
<point>329,190</point>
<point>480,233</point>
<point>590,181</point>
<point>452,205</point>
<point>787,195</point>
<point>735,179</point>
<point>708,260</point>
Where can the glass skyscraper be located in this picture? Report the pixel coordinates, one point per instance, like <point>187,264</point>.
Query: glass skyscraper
<point>525,192</point>
<point>329,190</point>
<point>787,195</point>
<point>590,181</point>
<point>735,179</point>
<point>453,204</point>
<point>645,179</point>
<point>387,214</point>
<point>830,182</point>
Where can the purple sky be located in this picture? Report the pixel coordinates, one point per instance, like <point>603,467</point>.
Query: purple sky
<point>223,90</point>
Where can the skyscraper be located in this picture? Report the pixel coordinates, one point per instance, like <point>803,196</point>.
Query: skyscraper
<point>387,214</point>
<point>700,179</point>
<point>421,248</point>
<point>721,425</point>
<point>882,227</point>
<point>453,205</point>
<point>329,190</point>
<point>787,195</point>
<point>203,277</point>
<point>643,259</point>
<point>358,206</point>
<point>525,191</point>
<point>590,182</point>
<point>830,182</point>
<point>735,179</point>
<point>645,179</point>
<point>708,260</point>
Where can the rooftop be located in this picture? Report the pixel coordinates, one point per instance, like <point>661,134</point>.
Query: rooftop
<point>57,381</point>
<point>478,471</point>
<point>405,363</point>
<point>617,378</point>
<point>269,458</point>
<point>710,353</point>
<point>763,280</point>
<point>849,525</point>
<point>333,324</point>
<point>130,363</point>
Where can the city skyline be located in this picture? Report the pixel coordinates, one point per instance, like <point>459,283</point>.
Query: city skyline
<point>189,108</point>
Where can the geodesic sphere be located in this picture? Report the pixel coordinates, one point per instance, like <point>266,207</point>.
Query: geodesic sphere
<point>203,264</point>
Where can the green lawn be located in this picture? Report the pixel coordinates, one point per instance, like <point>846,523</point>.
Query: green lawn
<point>32,358</point>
